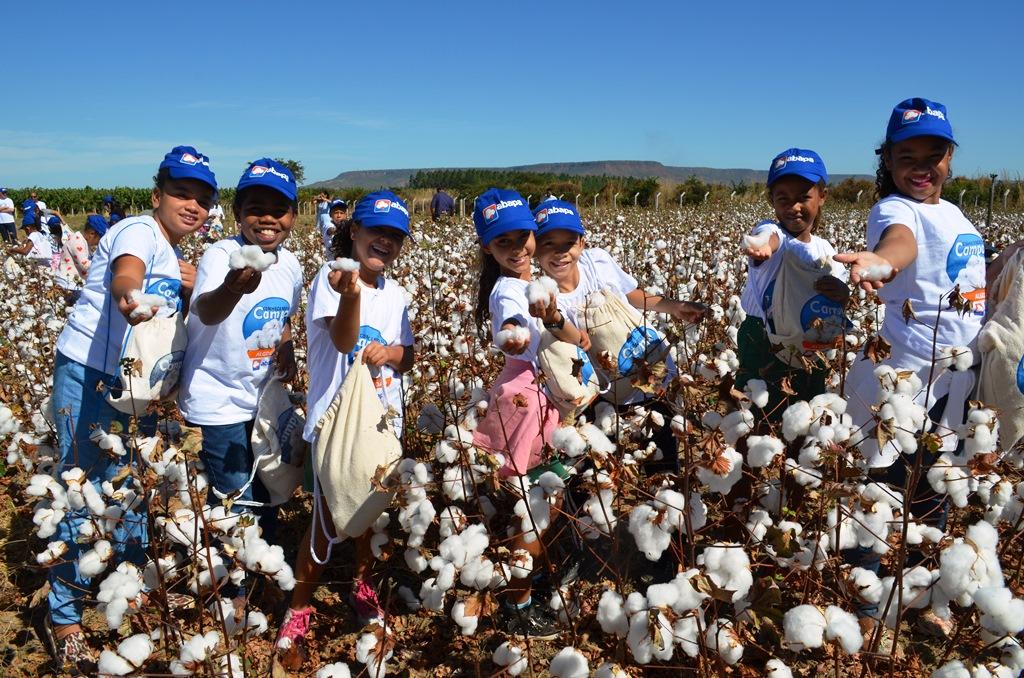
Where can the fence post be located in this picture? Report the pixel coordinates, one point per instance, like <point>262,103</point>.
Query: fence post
<point>657,199</point>
<point>615,200</point>
<point>635,197</point>
<point>1006,194</point>
<point>595,200</point>
<point>991,199</point>
<point>706,194</point>
<point>576,201</point>
<point>857,199</point>
<point>960,200</point>
<point>528,199</point>
<point>681,196</point>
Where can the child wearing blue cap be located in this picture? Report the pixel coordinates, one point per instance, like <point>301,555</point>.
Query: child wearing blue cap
<point>797,189</point>
<point>37,246</point>
<point>138,254</point>
<point>520,419</point>
<point>76,256</point>
<point>351,311</point>
<point>239,328</point>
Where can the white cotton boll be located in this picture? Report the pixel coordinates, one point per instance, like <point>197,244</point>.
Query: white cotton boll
<point>953,669</point>
<point>796,420</point>
<point>610,670</point>
<point>344,264</point>
<point>510,657</point>
<point>252,256</point>
<point>804,628</point>
<point>596,438</point>
<point>729,459</point>
<point>876,272</point>
<point>728,566</point>
<point>335,670</point>
<point>108,441</point>
<point>47,520</point>
<point>415,560</point>
<point>136,649</point>
<point>146,303</point>
<point>94,561</point>
<point>1002,614</point>
<point>948,476</point>
<point>467,624</point>
<point>194,652</point>
<point>512,334</point>
<point>112,664</point>
<point>540,291</point>
<point>431,595</point>
<point>757,391</point>
<point>686,633</point>
<point>842,626</point>
<point>370,653</point>
<point>956,358</point>
<point>808,477</point>
<point>866,585</point>
<point>569,663</point>
<point>736,424</point>
<point>711,420</point>
<point>646,643</point>
<point>649,536</point>
<point>568,440</point>
<point>521,564</point>
<point>775,668</point>
<point>445,452</point>
<point>721,637</point>
<point>610,614</point>
<point>54,550</point>
<point>755,240</point>
<point>762,450</point>
<point>451,521</point>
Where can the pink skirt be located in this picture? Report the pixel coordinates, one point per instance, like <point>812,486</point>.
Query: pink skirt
<point>519,420</point>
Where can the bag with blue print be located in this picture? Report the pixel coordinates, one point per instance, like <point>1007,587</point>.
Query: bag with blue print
<point>150,364</point>
<point>1001,344</point>
<point>620,333</point>
<point>569,375</point>
<point>278,450</point>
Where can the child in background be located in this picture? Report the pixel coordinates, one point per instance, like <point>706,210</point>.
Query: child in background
<point>37,245</point>
<point>338,214</point>
<point>581,271</point>
<point>138,254</point>
<point>797,189</point>
<point>239,326</point>
<point>76,256</point>
<point>925,247</point>
<point>505,227</point>
<point>349,312</point>
<point>7,229</point>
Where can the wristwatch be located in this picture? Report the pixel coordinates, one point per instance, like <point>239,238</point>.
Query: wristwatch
<point>556,326</point>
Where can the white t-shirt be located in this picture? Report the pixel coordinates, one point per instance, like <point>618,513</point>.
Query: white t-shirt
<point>227,364</point>
<point>7,217</point>
<point>383,317</point>
<point>508,302</point>
<point>756,298</point>
<point>42,247</point>
<point>950,252</point>
<point>94,334</point>
<point>598,271</point>
<point>215,216</point>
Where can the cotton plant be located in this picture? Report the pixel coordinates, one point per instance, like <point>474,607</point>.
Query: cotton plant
<point>653,523</point>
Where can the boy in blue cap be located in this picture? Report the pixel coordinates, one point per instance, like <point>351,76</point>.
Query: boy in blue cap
<point>797,188</point>
<point>137,254</point>
<point>239,328</point>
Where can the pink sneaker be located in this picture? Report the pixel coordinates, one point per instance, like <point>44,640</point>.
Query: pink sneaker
<point>294,627</point>
<point>364,601</point>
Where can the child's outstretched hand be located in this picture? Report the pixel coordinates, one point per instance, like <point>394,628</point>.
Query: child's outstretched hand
<point>345,283</point>
<point>548,311</point>
<point>833,288</point>
<point>688,311</point>
<point>761,253</point>
<point>868,270</point>
<point>513,339</point>
<point>242,280</point>
<point>126,306</point>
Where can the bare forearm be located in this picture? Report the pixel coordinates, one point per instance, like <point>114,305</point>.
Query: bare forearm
<point>897,246</point>
<point>215,306</point>
<point>345,324</point>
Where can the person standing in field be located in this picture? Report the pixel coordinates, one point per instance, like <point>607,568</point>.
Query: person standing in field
<point>7,229</point>
<point>441,205</point>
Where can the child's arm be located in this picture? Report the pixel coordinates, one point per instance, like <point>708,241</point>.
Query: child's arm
<point>23,248</point>
<point>687,311</point>
<point>284,355</point>
<point>897,248</point>
<point>127,273</point>
<point>762,252</point>
<point>556,323</point>
<point>215,306</point>
<point>345,323</point>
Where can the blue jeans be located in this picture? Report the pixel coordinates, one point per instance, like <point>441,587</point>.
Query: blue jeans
<point>77,404</point>
<point>227,455</point>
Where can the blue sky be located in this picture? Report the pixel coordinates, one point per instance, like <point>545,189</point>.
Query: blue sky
<point>97,92</point>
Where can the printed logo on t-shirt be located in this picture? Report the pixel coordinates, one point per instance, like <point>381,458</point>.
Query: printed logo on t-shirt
<point>169,289</point>
<point>637,345</point>
<point>368,335</point>
<point>262,330</point>
<point>587,370</point>
<point>823,322</point>
<point>167,369</point>
<point>965,266</point>
<point>1020,375</point>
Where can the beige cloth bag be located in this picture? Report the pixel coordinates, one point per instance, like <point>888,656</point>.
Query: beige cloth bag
<point>277,444</point>
<point>1001,344</point>
<point>568,393</point>
<point>158,348</point>
<point>619,329</point>
<point>354,439</point>
<point>805,321</point>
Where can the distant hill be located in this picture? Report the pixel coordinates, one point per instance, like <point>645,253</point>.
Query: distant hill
<point>641,169</point>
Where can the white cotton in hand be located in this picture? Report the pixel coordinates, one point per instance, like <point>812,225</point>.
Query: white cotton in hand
<point>252,256</point>
<point>512,334</point>
<point>876,272</point>
<point>540,290</point>
<point>344,264</point>
<point>756,240</point>
<point>146,303</point>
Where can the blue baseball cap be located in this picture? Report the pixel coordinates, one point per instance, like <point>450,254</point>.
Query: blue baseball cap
<point>108,199</point>
<point>269,173</point>
<point>3,190</point>
<point>337,205</point>
<point>553,215</point>
<point>97,223</point>
<point>382,208</point>
<point>28,220</point>
<point>498,211</point>
<point>53,221</point>
<point>918,117</point>
<point>185,162</point>
<point>802,162</point>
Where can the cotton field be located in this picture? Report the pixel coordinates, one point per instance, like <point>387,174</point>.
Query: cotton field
<point>730,566</point>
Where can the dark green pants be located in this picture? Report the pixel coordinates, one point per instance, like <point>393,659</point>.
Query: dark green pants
<point>757,361</point>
